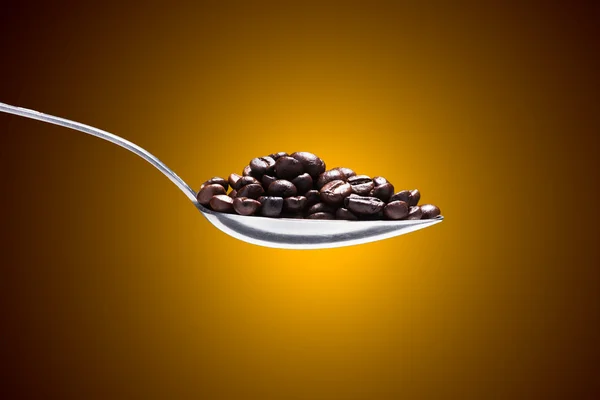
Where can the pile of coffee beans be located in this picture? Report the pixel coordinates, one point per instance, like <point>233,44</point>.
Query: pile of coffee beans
<point>298,185</point>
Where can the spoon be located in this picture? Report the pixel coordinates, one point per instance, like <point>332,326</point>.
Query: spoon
<point>283,233</point>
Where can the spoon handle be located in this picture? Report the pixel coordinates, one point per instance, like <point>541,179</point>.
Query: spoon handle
<point>90,130</point>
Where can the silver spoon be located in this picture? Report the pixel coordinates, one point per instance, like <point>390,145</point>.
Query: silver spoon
<point>284,233</point>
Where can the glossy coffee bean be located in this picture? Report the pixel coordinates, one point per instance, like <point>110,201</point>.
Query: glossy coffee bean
<point>221,203</point>
<point>429,211</point>
<point>346,171</point>
<point>282,188</point>
<point>233,194</point>
<point>414,213</point>
<point>312,164</point>
<point>403,195</point>
<point>271,206</point>
<point>344,213</point>
<point>296,203</point>
<point>253,191</point>
<point>245,206</point>
<point>245,180</point>
<point>383,192</point>
<point>303,183</point>
<point>415,197</point>
<point>364,205</point>
<point>262,165</point>
<point>266,180</point>
<point>312,197</point>
<point>321,215</point>
<point>379,180</point>
<point>275,156</point>
<point>321,207</point>
<point>396,210</point>
<point>335,192</point>
<point>247,171</point>
<point>288,168</point>
<point>233,178</point>
<point>328,176</point>
<point>216,180</point>
<point>208,191</point>
<point>361,184</point>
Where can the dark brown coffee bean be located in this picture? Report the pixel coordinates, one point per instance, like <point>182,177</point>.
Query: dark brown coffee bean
<point>216,180</point>
<point>233,193</point>
<point>247,171</point>
<point>328,176</point>
<point>364,205</point>
<point>361,184</point>
<point>261,166</point>
<point>288,168</point>
<point>253,191</point>
<point>415,197</point>
<point>415,213</point>
<point>396,210</point>
<point>346,171</point>
<point>320,207</point>
<point>245,206</point>
<point>379,180</point>
<point>383,192</point>
<point>344,213</point>
<point>312,197</point>
<point>291,215</point>
<point>271,206</point>
<point>403,195</point>
<point>321,215</point>
<point>221,203</point>
<point>303,183</point>
<point>275,156</point>
<point>208,191</point>
<point>429,211</point>
<point>233,178</point>
<point>312,164</point>
<point>296,203</point>
<point>266,180</point>
<point>335,192</point>
<point>282,188</point>
<point>245,180</point>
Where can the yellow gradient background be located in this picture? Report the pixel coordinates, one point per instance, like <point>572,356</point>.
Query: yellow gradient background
<point>115,287</point>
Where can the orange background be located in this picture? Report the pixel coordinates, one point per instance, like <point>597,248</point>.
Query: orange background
<point>114,286</point>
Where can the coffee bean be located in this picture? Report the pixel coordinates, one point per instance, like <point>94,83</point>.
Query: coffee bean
<point>266,180</point>
<point>303,183</point>
<point>328,176</point>
<point>396,210</point>
<point>383,191</point>
<point>208,191</point>
<point>221,203</point>
<point>335,192</point>
<point>291,214</point>
<point>415,213</point>
<point>245,180</point>
<point>312,164</point>
<point>288,168</point>
<point>275,156</point>
<point>403,195</point>
<point>320,207</point>
<point>233,193</point>
<point>312,197</point>
<point>296,203</point>
<point>247,171</point>
<point>233,178</point>
<point>364,205</point>
<point>216,180</point>
<point>271,206</point>
<point>415,197</point>
<point>429,211</point>
<point>379,180</point>
<point>346,171</point>
<point>245,206</point>
<point>262,165</point>
<point>344,213</point>
<point>282,188</point>
<point>321,215</point>
<point>253,191</point>
<point>361,184</point>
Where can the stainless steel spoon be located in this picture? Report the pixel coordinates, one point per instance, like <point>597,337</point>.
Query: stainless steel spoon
<point>284,233</point>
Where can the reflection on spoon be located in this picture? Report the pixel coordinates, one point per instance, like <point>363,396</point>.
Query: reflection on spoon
<point>284,233</point>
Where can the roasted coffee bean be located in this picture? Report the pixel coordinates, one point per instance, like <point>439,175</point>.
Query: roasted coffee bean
<point>303,183</point>
<point>429,211</point>
<point>245,206</point>
<point>233,178</point>
<point>208,191</point>
<point>396,210</point>
<point>383,191</point>
<point>328,176</point>
<point>364,205</point>
<point>266,180</point>
<point>288,168</point>
<point>403,195</point>
<point>262,165</point>
<point>245,180</point>
<point>312,164</point>
<point>291,215</point>
<point>361,184</point>
<point>344,213</point>
<point>335,192</point>
<point>271,206</point>
<point>321,215</point>
<point>282,188</point>
<point>253,191</point>
<point>296,203</point>
<point>415,213</point>
<point>275,156</point>
<point>247,171</point>
<point>221,203</point>
<point>415,197</point>
<point>233,193</point>
<point>379,180</point>
<point>216,180</point>
<point>346,171</point>
<point>312,197</point>
<point>320,207</point>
